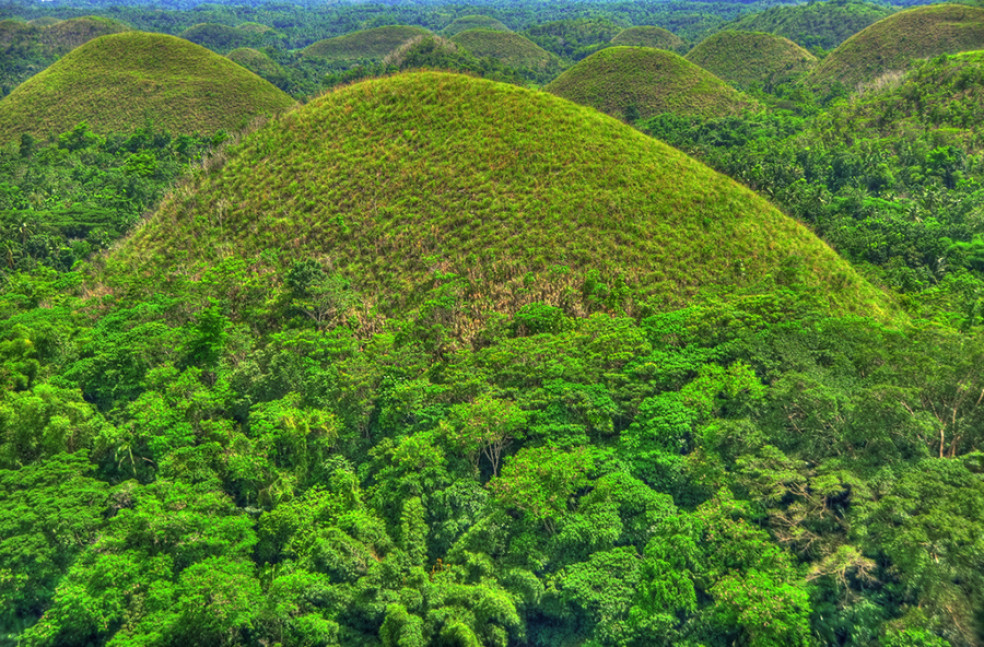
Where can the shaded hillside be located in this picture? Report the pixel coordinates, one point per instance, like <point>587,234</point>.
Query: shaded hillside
<point>121,82</point>
<point>748,59</point>
<point>512,49</point>
<point>464,23</point>
<point>815,24</point>
<point>894,43</point>
<point>366,45</point>
<point>216,37</point>
<point>650,37</point>
<point>502,195</point>
<point>637,82</point>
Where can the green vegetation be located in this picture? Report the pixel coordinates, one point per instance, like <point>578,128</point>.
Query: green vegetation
<point>216,37</point>
<point>363,46</point>
<point>893,44</point>
<point>574,39</point>
<point>62,37</point>
<point>752,59</point>
<point>464,23</point>
<point>123,81</point>
<point>529,198</point>
<point>815,25</point>
<point>512,49</point>
<point>639,82</point>
<point>260,64</point>
<point>649,37</point>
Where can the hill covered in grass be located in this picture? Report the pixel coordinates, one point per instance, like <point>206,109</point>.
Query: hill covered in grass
<point>748,59</point>
<point>493,195</point>
<point>510,48</point>
<point>894,43</point>
<point>648,36</point>
<point>121,82</point>
<point>815,24</point>
<point>638,82</point>
<point>64,36</point>
<point>258,63</point>
<point>464,23</point>
<point>365,45</point>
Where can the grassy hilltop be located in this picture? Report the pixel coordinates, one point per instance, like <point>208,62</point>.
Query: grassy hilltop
<point>894,43</point>
<point>639,82</point>
<point>512,49</point>
<point>217,37</point>
<point>747,59</point>
<point>368,44</point>
<point>258,63</point>
<point>509,195</point>
<point>464,23</point>
<point>647,36</point>
<point>64,36</point>
<point>119,82</point>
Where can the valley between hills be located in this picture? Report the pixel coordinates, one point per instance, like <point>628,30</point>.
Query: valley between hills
<point>511,323</point>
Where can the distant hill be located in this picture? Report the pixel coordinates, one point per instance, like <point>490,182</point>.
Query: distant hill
<point>815,24</point>
<point>748,59</point>
<point>216,37</point>
<point>64,36</point>
<point>120,82</point>
<point>502,195</point>
<point>258,63</point>
<point>650,37</point>
<point>367,45</point>
<point>464,23</point>
<point>26,48</point>
<point>638,82</point>
<point>574,38</point>
<point>512,49</point>
<point>894,43</point>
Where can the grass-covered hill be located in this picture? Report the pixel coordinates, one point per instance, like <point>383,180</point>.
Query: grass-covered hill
<point>894,43</point>
<point>749,59</point>
<point>64,36</point>
<point>493,195</point>
<point>649,36</point>
<point>121,82</point>
<point>815,24</point>
<point>366,45</point>
<point>510,48</point>
<point>638,82</point>
<point>217,37</point>
<point>258,63</point>
<point>464,23</point>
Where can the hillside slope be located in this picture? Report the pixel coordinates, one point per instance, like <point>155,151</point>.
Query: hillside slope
<point>639,82</point>
<point>464,23</point>
<point>502,195</point>
<point>749,59</point>
<point>815,24</point>
<point>122,81</point>
<point>892,44</point>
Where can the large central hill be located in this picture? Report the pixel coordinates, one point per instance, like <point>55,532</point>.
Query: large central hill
<point>639,82</point>
<point>893,44</point>
<point>511,196</point>
<point>122,81</point>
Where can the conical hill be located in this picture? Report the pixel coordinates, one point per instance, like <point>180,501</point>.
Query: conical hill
<point>638,82</point>
<point>510,48</point>
<point>650,36</point>
<point>123,81</point>
<point>893,44</point>
<point>464,23</point>
<point>366,45</point>
<point>504,195</point>
<point>747,59</point>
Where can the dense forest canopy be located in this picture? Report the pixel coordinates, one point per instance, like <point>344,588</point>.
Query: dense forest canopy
<point>441,358</point>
